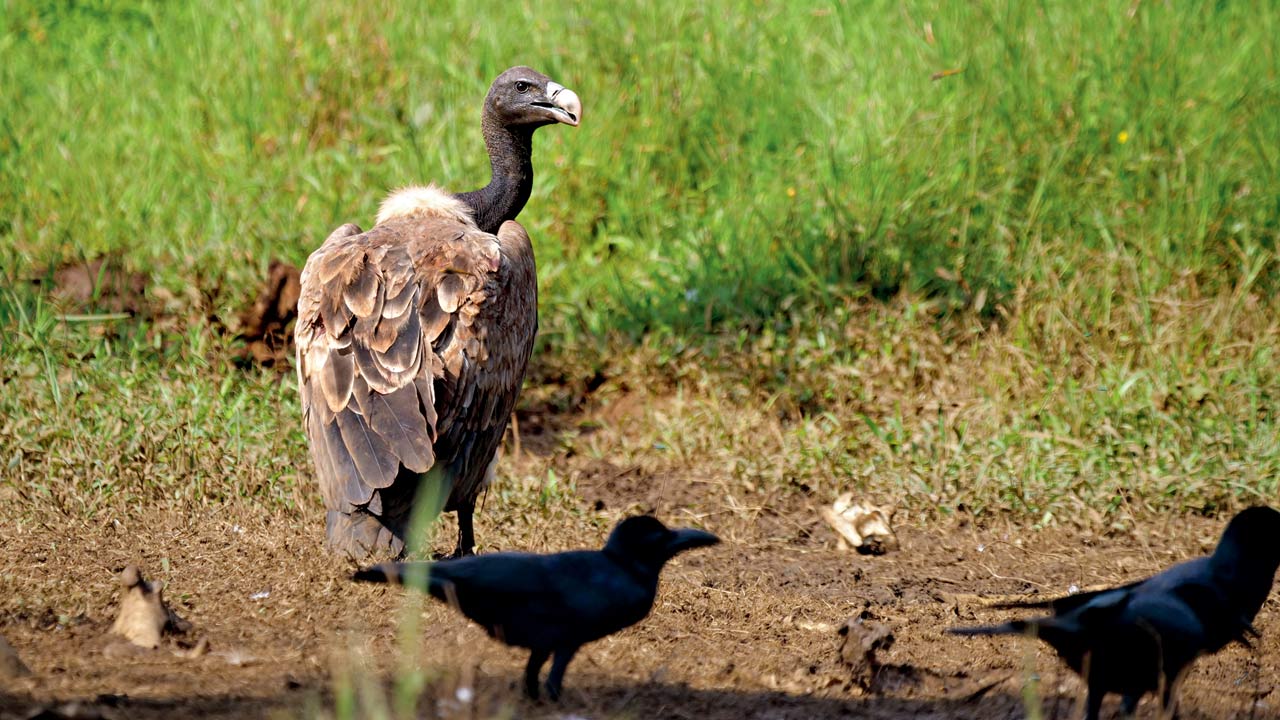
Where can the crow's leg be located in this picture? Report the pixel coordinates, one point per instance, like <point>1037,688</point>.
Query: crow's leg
<point>537,658</point>
<point>1093,703</point>
<point>555,678</point>
<point>1169,698</point>
<point>1130,704</point>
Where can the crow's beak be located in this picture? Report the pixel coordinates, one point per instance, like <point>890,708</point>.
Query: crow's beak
<point>688,538</point>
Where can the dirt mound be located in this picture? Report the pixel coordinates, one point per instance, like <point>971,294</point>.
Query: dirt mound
<point>99,285</point>
<point>266,325</point>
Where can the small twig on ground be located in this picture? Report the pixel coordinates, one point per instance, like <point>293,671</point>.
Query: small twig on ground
<point>998,576</point>
<point>1029,551</point>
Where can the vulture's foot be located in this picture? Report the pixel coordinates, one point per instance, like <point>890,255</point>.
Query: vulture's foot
<point>458,552</point>
<point>362,536</point>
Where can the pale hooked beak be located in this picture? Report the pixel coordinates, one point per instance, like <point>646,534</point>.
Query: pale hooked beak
<point>566,106</point>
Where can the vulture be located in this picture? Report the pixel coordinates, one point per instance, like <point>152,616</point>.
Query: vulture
<point>553,604</point>
<point>413,336</point>
<point>1142,637</point>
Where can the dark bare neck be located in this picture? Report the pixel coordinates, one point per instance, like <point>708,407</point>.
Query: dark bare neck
<point>511,159</point>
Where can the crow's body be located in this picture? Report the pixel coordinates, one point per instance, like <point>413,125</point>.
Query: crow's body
<point>1141,637</point>
<point>553,604</point>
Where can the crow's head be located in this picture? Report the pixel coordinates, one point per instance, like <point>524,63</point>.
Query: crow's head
<point>1253,535</point>
<point>644,539</point>
<point>1247,557</point>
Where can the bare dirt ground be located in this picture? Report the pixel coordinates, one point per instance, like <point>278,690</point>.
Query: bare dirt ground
<point>747,629</point>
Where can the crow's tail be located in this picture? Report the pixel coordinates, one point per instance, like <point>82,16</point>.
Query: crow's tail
<point>1017,627</point>
<point>412,574</point>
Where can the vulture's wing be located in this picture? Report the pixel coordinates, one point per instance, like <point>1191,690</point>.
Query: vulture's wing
<point>381,314</point>
<point>484,362</point>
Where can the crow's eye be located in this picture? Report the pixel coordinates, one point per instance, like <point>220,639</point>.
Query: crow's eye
<point>522,86</point>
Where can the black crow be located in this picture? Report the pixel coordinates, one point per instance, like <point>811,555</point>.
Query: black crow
<point>553,604</point>
<point>1140,637</point>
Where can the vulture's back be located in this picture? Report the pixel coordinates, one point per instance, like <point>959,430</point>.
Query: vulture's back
<point>412,342</point>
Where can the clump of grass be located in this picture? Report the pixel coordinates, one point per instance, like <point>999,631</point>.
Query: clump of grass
<point>730,161</point>
<point>114,415</point>
<point>1045,417</point>
<point>990,255</point>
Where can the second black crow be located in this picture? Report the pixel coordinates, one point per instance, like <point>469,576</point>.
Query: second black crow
<point>1140,637</point>
<point>553,604</point>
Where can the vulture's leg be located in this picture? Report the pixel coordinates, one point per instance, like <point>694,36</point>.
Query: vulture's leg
<point>391,540</point>
<point>537,658</point>
<point>555,678</point>
<point>466,532</point>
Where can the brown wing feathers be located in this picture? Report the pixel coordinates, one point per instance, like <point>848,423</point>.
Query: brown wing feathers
<point>392,322</point>
<point>366,411</point>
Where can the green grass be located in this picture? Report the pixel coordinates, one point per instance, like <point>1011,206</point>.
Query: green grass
<point>1072,239</point>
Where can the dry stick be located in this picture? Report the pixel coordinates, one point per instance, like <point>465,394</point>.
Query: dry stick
<point>1030,684</point>
<point>998,576</point>
<point>986,686</point>
<point>515,436</point>
<point>1084,675</point>
<point>104,317</point>
<point>1029,551</point>
<point>1142,540</point>
<point>1257,683</point>
<point>469,680</point>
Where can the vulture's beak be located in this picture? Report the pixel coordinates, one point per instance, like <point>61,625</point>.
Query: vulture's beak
<point>565,106</point>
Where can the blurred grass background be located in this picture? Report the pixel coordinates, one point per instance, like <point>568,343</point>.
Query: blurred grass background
<point>997,255</point>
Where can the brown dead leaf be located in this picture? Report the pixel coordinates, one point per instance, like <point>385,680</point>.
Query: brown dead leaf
<point>861,525</point>
<point>265,325</point>
<point>143,617</point>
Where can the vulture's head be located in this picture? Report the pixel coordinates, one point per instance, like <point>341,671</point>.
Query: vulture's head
<point>524,97</point>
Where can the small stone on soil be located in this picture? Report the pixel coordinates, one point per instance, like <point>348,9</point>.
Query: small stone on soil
<point>860,640</point>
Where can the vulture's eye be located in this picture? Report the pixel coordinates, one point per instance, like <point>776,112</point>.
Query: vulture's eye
<point>522,86</point>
